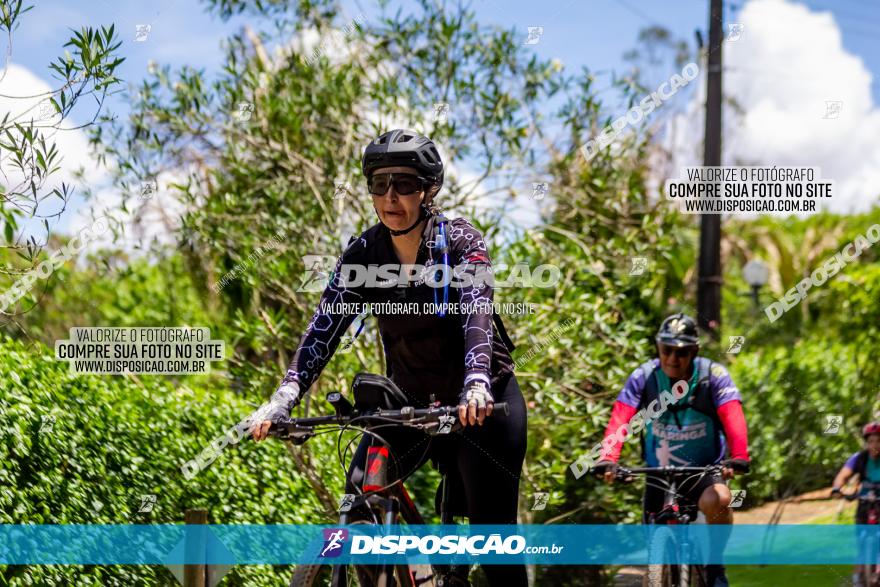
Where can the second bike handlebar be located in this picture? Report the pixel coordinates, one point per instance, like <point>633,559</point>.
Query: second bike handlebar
<point>872,495</point>
<point>622,473</point>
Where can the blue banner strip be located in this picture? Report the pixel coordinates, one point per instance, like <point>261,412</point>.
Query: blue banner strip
<point>366,544</point>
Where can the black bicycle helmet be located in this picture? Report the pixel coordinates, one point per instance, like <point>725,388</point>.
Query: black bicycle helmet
<point>678,330</point>
<point>402,147</point>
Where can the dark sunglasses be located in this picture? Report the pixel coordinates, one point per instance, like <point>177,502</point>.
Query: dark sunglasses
<point>405,184</point>
<point>680,352</point>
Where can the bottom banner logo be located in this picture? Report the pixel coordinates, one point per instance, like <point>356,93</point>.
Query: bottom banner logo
<point>334,538</point>
<point>473,545</point>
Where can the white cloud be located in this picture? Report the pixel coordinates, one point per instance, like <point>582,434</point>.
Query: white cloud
<point>72,144</point>
<point>154,219</point>
<point>788,63</point>
<point>23,96</point>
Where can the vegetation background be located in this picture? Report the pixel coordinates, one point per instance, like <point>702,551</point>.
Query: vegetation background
<point>238,180</point>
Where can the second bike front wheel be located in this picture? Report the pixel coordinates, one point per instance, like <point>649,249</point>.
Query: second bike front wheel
<point>697,576</point>
<point>660,575</point>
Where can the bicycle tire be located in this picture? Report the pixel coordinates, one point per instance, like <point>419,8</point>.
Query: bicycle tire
<point>870,570</point>
<point>659,575</point>
<point>321,575</point>
<point>403,575</point>
<point>682,575</point>
<point>697,576</point>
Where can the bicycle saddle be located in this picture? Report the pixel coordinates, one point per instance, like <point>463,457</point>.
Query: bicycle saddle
<point>373,392</point>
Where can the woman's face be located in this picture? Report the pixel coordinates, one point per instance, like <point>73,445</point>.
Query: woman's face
<point>398,212</point>
<point>873,443</point>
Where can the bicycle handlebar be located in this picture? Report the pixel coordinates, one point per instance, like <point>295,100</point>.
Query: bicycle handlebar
<point>622,473</point>
<point>301,429</point>
<point>872,488</point>
<point>667,471</point>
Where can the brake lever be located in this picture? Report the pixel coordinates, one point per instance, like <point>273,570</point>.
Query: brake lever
<point>624,476</point>
<point>290,431</point>
<point>444,425</point>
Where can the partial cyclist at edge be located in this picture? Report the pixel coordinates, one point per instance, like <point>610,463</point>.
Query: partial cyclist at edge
<point>694,431</point>
<point>865,467</point>
<point>456,358</point>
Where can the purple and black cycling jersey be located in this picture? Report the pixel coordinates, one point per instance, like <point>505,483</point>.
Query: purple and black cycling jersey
<point>720,382</point>
<point>425,353</point>
<point>687,437</point>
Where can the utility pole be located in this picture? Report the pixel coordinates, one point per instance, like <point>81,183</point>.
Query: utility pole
<point>709,269</point>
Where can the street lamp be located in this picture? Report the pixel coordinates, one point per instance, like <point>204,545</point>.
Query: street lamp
<point>756,273</point>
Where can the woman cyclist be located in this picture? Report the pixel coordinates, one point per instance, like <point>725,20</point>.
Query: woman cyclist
<point>456,357</point>
<point>865,464</point>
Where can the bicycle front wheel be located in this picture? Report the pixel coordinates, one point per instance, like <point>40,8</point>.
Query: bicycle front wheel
<point>355,576</point>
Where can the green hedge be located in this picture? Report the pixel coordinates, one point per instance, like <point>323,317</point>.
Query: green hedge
<point>116,438</point>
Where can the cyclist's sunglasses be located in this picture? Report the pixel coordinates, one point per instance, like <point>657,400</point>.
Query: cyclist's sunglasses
<point>405,184</point>
<point>680,352</point>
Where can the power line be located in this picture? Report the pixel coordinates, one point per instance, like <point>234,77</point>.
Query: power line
<point>638,12</point>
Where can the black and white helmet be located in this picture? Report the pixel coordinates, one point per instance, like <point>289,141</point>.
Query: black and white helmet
<point>678,330</point>
<point>402,147</point>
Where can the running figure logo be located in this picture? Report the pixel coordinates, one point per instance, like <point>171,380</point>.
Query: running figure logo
<point>832,108</point>
<point>539,190</point>
<point>832,424</point>
<point>736,343</point>
<point>346,502</point>
<point>333,541</point>
<point>445,423</point>
<point>735,31</point>
<point>639,265</point>
<point>148,501</point>
<point>737,496</point>
<point>541,499</point>
<point>317,273</point>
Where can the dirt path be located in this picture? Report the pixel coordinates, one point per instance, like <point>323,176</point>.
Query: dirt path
<point>801,509</point>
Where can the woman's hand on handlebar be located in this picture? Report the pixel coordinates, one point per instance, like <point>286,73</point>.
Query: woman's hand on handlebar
<point>283,400</point>
<point>475,403</point>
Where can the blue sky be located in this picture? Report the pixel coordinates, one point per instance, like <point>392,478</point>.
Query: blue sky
<point>579,32</point>
<point>789,62</point>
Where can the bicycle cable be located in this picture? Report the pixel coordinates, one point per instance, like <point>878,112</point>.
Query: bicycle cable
<point>400,480</point>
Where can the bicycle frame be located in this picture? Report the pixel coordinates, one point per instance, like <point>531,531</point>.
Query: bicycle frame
<point>672,512</point>
<point>870,570</point>
<point>392,501</point>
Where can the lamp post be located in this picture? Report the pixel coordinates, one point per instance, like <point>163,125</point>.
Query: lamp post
<point>756,273</point>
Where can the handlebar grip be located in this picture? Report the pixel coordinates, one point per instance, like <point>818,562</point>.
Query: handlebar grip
<point>503,407</point>
<point>738,465</point>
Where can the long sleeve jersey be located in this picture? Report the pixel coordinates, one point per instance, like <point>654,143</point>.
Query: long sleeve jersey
<point>726,401</point>
<point>426,354</point>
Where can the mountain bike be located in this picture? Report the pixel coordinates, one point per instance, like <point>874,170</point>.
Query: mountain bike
<point>379,402</point>
<point>870,496</point>
<point>675,511</point>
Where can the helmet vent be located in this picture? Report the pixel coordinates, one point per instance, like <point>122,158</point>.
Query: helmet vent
<point>404,138</point>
